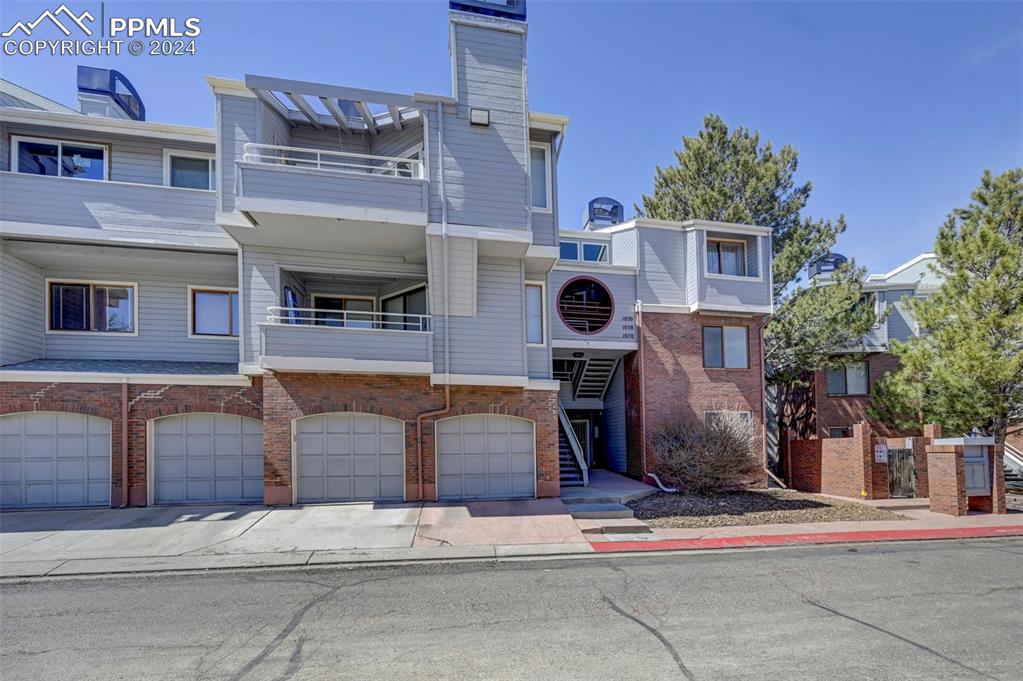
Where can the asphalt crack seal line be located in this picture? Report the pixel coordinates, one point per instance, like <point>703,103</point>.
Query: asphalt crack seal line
<point>911,642</point>
<point>657,634</point>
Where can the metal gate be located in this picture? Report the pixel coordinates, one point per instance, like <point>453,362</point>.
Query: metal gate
<point>901,473</point>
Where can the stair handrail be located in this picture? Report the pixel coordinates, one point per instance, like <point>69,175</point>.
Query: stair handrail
<point>573,442</point>
<point>1013,454</point>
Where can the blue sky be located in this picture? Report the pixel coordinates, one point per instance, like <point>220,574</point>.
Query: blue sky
<point>895,108</point>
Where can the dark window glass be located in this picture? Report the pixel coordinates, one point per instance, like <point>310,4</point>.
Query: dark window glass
<point>595,252</point>
<point>90,307</point>
<point>190,173</point>
<point>69,307</point>
<point>38,158</point>
<point>81,161</point>
<point>713,349</point>
<point>836,381</point>
<point>569,250</point>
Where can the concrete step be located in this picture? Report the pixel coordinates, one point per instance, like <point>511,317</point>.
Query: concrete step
<point>593,511</point>
<point>589,496</point>
<point>612,526</point>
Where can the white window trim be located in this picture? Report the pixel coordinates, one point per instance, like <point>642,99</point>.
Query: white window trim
<point>208,156</point>
<point>60,142</point>
<point>607,250</point>
<point>745,262</point>
<point>119,334</point>
<point>547,164</point>
<point>191,319</point>
<point>543,313</point>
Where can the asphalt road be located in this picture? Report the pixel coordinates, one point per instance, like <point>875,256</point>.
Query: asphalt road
<point>929,610</point>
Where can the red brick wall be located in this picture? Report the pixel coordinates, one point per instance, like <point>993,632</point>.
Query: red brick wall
<point>846,468</point>
<point>804,465</point>
<point>145,402</point>
<point>835,411</point>
<point>290,396</point>
<point>676,384</point>
<point>947,476</point>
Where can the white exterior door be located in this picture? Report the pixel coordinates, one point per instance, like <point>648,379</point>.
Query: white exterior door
<point>207,458</point>
<point>349,457</point>
<point>485,456</point>
<point>52,459</point>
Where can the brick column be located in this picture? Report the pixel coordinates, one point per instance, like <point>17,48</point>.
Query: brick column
<point>996,502</point>
<point>946,474</point>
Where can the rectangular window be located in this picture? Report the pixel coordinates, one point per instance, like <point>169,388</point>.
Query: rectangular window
<point>352,313</point>
<point>725,347</point>
<point>214,312</point>
<point>539,173</point>
<point>569,250</point>
<point>726,257</point>
<point>401,311</point>
<point>189,170</point>
<point>88,307</point>
<point>840,431</point>
<point>717,417</point>
<point>850,379</point>
<point>57,158</point>
<point>534,314</point>
<point>595,252</point>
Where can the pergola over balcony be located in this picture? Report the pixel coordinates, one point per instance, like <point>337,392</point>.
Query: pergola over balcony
<point>352,110</point>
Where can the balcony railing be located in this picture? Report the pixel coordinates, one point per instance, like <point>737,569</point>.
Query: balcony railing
<point>347,319</point>
<point>333,161</point>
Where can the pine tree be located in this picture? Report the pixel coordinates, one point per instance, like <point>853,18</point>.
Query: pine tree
<point>966,370</point>
<point>729,176</point>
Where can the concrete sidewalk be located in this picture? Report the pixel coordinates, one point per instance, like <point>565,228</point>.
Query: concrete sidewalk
<point>97,541</point>
<point>159,539</point>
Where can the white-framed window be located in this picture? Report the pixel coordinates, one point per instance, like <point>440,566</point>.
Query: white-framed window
<point>725,347</point>
<point>569,250</point>
<point>189,169</point>
<point>850,379</point>
<point>213,312</point>
<point>595,251</point>
<point>710,417</point>
<point>726,257</point>
<point>540,177</point>
<point>89,307</point>
<point>536,308</point>
<point>352,312</point>
<point>59,158</point>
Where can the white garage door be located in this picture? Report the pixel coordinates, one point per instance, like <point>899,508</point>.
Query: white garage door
<point>485,456</point>
<point>54,459</point>
<point>206,458</point>
<point>350,457</point>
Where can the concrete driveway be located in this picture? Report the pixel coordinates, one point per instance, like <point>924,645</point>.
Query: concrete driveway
<point>292,534</point>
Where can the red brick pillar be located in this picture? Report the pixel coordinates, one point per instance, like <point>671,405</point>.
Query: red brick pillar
<point>946,474</point>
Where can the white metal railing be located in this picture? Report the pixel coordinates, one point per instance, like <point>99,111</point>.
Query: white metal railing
<point>347,319</point>
<point>333,161</point>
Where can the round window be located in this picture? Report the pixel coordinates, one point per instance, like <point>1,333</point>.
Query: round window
<point>585,305</point>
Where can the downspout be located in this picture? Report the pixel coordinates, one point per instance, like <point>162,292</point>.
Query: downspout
<point>447,325</point>
<point>124,442</point>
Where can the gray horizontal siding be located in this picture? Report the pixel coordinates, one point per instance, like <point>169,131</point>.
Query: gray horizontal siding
<point>239,121</point>
<point>623,290</point>
<point>162,321</point>
<point>493,342</point>
<point>461,274</point>
<point>106,205</point>
<point>539,362</point>
<point>307,136</point>
<point>396,142</point>
<point>731,292</point>
<point>614,421</point>
<point>131,159</point>
<point>900,320</point>
<point>662,263</point>
<point>361,191</point>
<point>286,340</point>
<point>21,312</point>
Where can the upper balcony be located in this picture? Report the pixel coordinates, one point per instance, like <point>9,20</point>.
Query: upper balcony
<point>321,166</point>
<point>41,205</point>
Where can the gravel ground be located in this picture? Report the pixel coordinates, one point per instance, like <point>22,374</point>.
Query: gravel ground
<point>752,507</point>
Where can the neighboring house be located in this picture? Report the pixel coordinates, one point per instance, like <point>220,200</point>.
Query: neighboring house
<point>342,294</point>
<point>842,395</point>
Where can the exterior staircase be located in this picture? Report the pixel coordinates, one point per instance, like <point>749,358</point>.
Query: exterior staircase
<point>571,473</point>
<point>1013,462</point>
<point>594,378</point>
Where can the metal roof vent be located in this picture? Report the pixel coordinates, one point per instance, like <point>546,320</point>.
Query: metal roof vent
<point>825,265</point>
<point>105,92</point>
<point>603,211</point>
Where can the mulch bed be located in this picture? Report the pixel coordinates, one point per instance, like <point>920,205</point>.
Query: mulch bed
<point>750,507</point>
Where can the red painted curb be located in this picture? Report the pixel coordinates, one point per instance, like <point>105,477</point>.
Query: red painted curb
<point>812,538</point>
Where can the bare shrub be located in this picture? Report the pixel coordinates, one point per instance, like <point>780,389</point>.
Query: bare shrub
<point>703,458</point>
